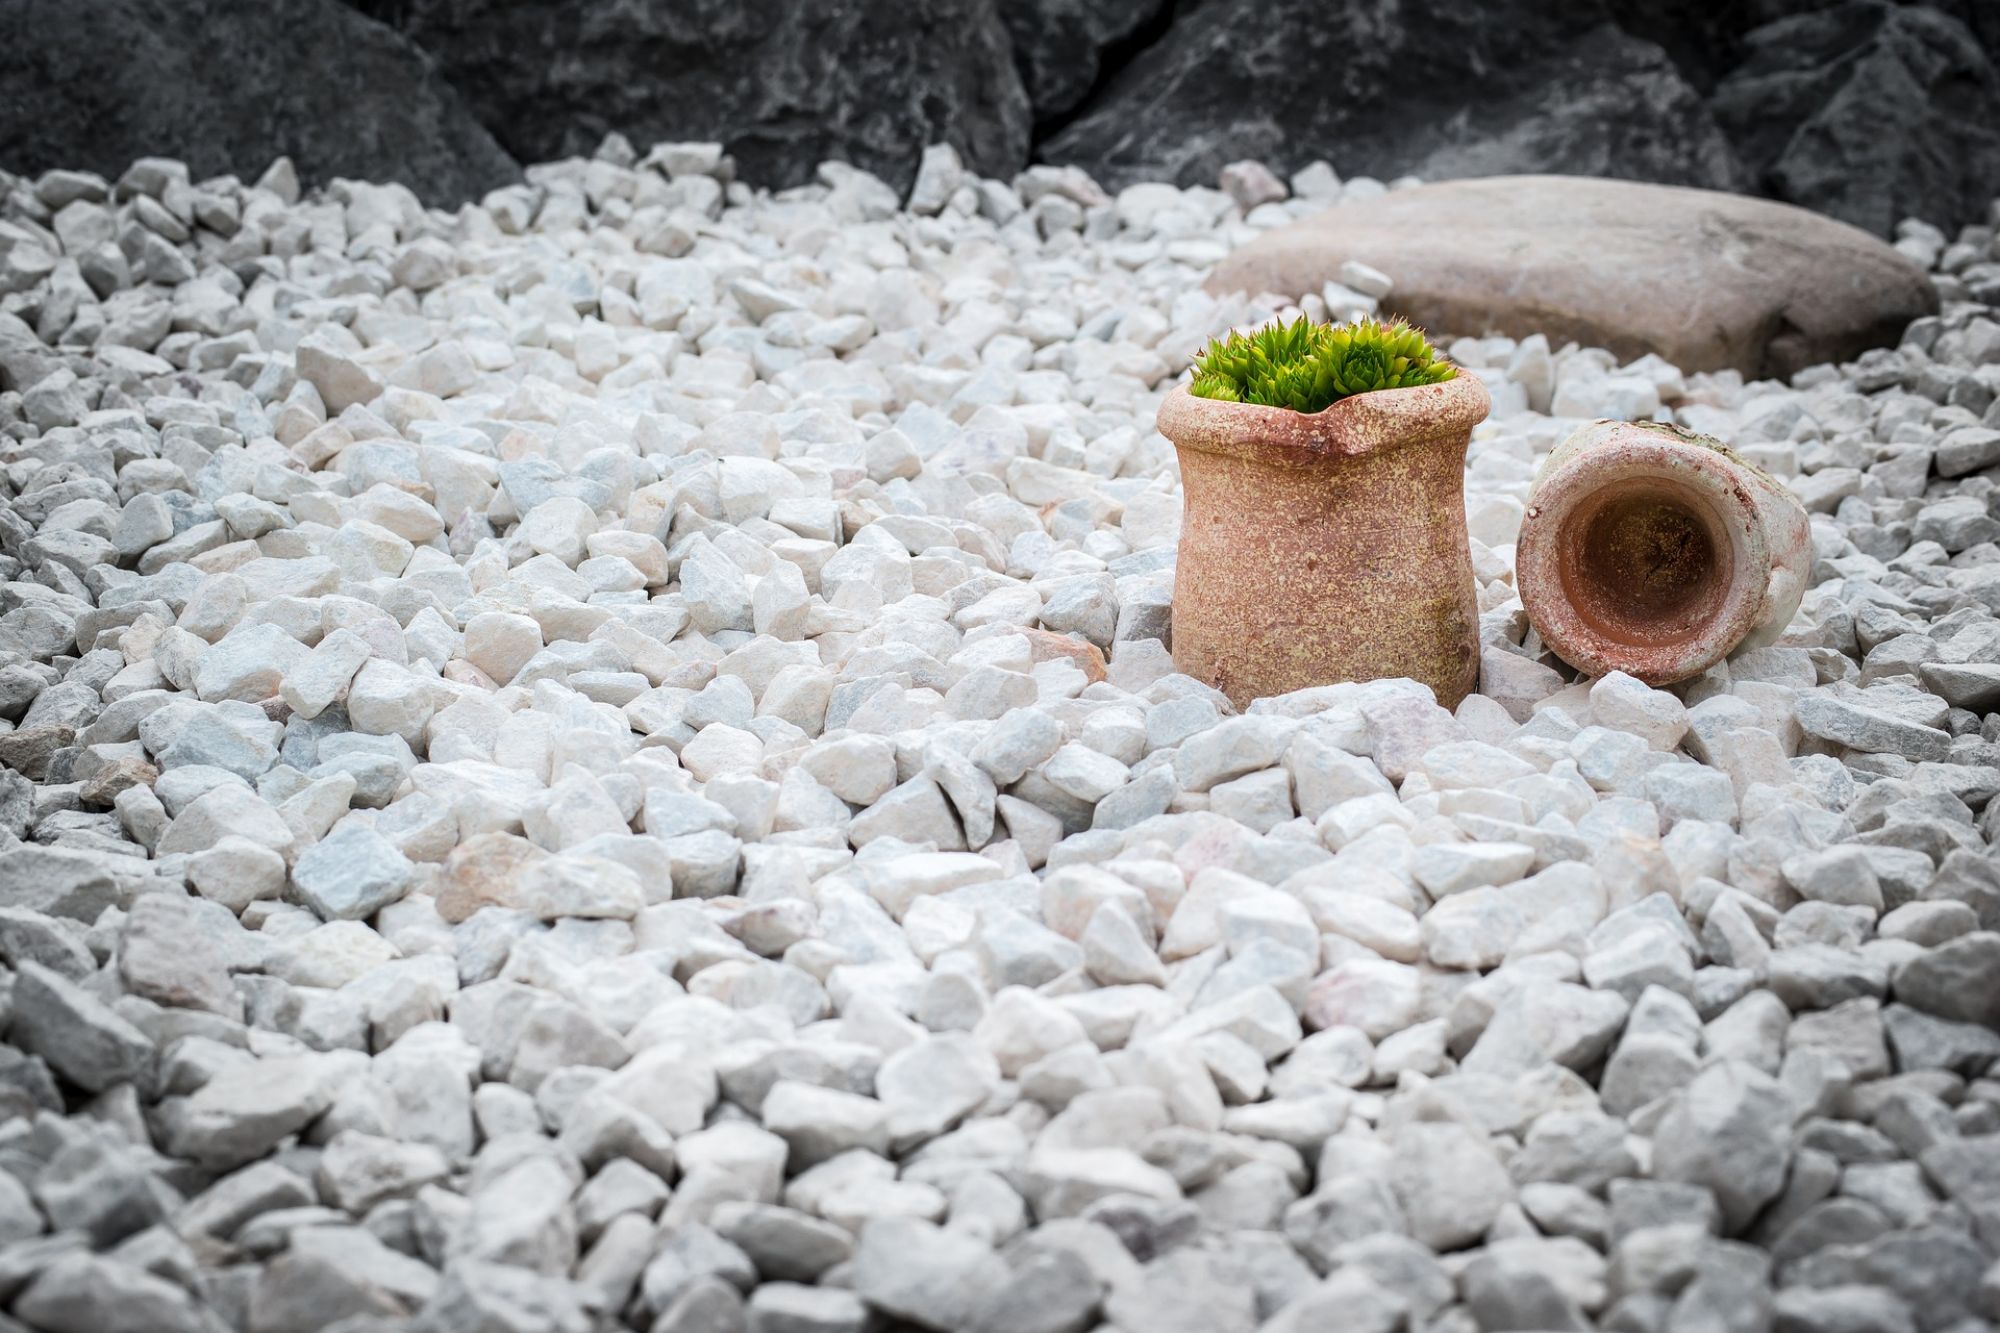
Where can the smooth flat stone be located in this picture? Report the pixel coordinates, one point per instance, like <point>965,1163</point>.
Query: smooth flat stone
<point>1710,281</point>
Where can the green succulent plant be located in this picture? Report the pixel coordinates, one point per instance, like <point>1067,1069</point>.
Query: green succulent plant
<point>1307,367</point>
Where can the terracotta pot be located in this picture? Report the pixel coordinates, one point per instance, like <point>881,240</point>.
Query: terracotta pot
<point>1326,547</point>
<point>1657,552</point>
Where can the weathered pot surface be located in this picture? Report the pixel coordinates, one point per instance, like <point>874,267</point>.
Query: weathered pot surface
<point>1327,546</point>
<point>1657,552</point>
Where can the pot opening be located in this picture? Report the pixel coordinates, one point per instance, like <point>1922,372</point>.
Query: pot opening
<point>1646,563</point>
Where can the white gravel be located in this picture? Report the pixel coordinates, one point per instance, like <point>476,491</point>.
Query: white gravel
<point>607,761</point>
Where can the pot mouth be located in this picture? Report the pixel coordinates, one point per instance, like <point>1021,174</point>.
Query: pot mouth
<point>1641,562</point>
<point>1359,424</point>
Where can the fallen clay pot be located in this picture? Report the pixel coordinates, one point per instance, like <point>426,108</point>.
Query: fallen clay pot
<point>1327,546</point>
<point>1657,552</point>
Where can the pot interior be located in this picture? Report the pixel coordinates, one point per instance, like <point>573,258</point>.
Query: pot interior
<point>1646,562</point>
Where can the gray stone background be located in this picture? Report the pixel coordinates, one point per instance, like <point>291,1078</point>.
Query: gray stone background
<point>1866,110</point>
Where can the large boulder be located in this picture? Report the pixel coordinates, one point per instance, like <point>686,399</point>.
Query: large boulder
<point>783,86</point>
<point>1378,88</point>
<point>228,85</point>
<point>1868,111</point>
<point>1709,281</point>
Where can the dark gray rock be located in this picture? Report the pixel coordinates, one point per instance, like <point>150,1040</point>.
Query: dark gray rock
<point>227,85</point>
<point>783,87</point>
<point>1982,18</point>
<point>1704,42</point>
<point>1061,46</point>
<point>1474,90</point>
<point>1869,111</point>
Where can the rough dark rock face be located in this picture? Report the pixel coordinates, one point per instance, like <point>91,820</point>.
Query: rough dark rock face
<point>1868,111</point>
<point>227,85</point>
<point>1981,18</point>
<point>1060,45</point>
<point>1470,90</point>
<point>783,86</point>
<point>1706,41</point>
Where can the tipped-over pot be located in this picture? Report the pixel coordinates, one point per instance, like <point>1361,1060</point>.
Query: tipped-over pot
<point>1657,552</point>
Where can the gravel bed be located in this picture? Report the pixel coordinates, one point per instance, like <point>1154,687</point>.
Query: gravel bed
<point>609,761</point>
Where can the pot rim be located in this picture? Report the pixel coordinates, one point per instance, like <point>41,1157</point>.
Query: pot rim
<point>1359,424</point>
<point>1537,559</point>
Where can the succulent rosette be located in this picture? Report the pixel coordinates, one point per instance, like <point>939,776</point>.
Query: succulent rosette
<point>1308,367</point>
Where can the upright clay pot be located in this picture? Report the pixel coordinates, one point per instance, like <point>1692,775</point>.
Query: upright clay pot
<point>1657,552</point>
<point>1327,546</point>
